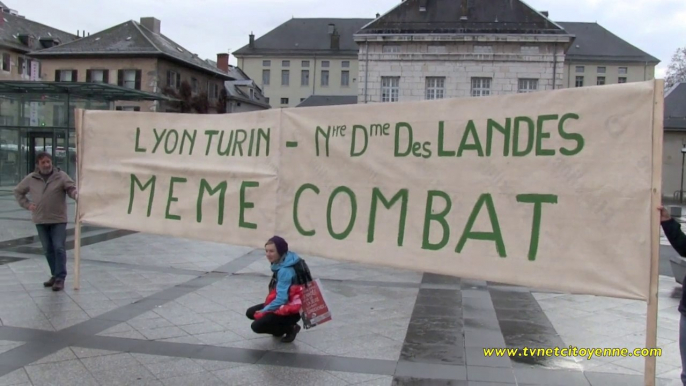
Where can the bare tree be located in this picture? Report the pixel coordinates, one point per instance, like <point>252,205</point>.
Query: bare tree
<point>184,96</point>
<point>187,102</point>
<point>676,72</point>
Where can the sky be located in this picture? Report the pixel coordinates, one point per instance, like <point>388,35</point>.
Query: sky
<point>208,27</point>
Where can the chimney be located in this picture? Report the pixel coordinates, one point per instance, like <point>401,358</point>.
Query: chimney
<point>378,15</point>
<point>223,62</point>
<point>252,40</point>
<point>544,13</point>
<point>152,24</point>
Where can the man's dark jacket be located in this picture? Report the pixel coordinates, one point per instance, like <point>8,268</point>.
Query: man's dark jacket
<point>678,240</point>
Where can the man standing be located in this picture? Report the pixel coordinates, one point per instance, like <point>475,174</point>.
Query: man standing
<point>48,187</point>
<point>677,239</point>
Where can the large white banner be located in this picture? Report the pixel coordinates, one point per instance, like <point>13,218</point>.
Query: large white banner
<point>548,189</point>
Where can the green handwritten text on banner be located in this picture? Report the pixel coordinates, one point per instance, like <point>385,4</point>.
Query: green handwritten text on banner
<point>549,189</point>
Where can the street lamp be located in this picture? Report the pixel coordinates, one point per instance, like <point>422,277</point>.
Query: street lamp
<point>683,157</point>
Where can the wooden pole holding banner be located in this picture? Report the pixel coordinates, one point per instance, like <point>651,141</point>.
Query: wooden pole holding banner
<point>77,218</point>
<point>656,200</point>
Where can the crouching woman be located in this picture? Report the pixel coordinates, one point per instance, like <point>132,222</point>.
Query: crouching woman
<point>280,313</point>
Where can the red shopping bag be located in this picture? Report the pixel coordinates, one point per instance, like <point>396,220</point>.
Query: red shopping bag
<point>314,309</point>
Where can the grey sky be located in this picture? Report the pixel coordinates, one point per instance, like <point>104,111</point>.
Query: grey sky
<point>207,27</point>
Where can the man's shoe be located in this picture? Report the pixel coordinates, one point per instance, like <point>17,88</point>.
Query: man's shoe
<point>49,283</point>
<point>290,337</point>
<point>58,286</point>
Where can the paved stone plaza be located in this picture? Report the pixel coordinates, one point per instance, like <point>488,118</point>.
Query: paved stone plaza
<point>155,310</point>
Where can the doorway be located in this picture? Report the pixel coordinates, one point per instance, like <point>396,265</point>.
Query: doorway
<point>37,142</point>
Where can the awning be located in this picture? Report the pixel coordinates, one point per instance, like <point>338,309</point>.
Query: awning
<point>84,90</point>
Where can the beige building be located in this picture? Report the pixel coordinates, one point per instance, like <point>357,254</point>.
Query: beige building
<point>674,142</point>
<point>598,57</point>
<point>304,57</point>
<point>18,37</point>
<point>136,55</point>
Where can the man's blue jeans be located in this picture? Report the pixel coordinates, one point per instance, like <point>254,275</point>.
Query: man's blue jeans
<point>53,237</point>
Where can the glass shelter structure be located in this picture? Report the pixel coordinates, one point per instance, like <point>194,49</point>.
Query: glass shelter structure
<point>38,116</point>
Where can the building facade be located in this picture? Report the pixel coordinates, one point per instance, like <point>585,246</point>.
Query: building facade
<point>674,142</point>
<point>598,57</point>
<point>433,49</point>
<point>20,36</point>
<point>138,56</point>
<point>304,57</point>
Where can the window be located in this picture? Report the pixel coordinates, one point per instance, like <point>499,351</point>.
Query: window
<point>435,88</point>
<point>390,89</point>
<point>325,78</point>
<point>621,79</point>
<point>266,100</point>
<point>98,76</point>
<point>481,87</point>
<point>284,101</point>
<point>285,77</point>
<point>266,77</point>
<point>580,68</point>
<point>345,78</point>
<point>579,81</point>
<point>21,66</point>
<point>437,50</point>
<point>130,79</point>
<point>601,81</point>
<point>266,63</point>
<point>527,85</point>
<point>306,63</point>
<point>6,62</point>
<point>391,48</point>
<point>66,76</point>
<point>212,90</point>
<point>601,70</point>
<point>325,63</point>
<point>194,85</point>
<point>128,108</point>
<point>285,63</point>
<point>305,78</point>
<point>623,70</point>
<point>345,64</point>
<point>302,99</point>
<point>173,79</point>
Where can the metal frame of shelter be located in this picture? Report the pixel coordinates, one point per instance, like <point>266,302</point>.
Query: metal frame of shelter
<point>37,114</point>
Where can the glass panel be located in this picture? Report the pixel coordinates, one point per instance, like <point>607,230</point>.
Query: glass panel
<point>59,155</point>
<point>10,170</point>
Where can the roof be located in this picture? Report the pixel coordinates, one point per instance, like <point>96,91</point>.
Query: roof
<point>130,38</point>
<point>12,26</point>
<point>445,16</point>
<point>594,42</point>
<point>307,36</point>
<point>234,92</point>
<point>328,100</point>
<point>675,107</point>
<point>93,91</point>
